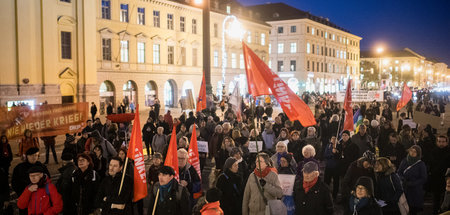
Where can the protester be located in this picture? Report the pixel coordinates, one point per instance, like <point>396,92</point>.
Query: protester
<point>230,184</point>
<point>393,150</point>
<point>93,110</point>
<point>281,149</point>
<point>85,183</point>
<point>308,152</point>
<point>64,183</point>
<point>363,140</point>
<point>440,162</point>
<point>262,181</point>
<point>243,170</point>
<point>153,170</point>
<point>100,163</point>
<point>362,200</point>
<point>268,137</point>
<point>49,142</point>
<point>212,206</point>
<point>445,207</point>
<point>224,152</point>
<point>389,187</point>
<point>311,195</point>
<point>333,156</point>
<point>40,196</point>
<point>188,176</point>
<point>27,142</point>
<point>215,141</point>
<point>6,155</point>
<point>312,139</point>
<point>97,139</point>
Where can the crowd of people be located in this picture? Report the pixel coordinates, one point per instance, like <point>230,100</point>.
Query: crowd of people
<point>377,170</point>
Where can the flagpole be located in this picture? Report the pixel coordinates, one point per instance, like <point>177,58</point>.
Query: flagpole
<point>256,136</point>
<point>156,201</point>
<point>123,175</point>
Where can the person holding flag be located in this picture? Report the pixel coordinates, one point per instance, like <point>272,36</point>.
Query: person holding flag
<point>406,97</point>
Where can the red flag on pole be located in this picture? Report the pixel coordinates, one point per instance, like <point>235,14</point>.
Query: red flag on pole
<point>348,123</point>
<point>406,96</point>
<point>172,154</point>
<point>260,79</point>
<point>201,101</point>
<point>135,153</point>
<point>194,159</point>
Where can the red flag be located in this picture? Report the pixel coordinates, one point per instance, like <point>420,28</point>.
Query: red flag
<point>406,96</point>
<point>194,159</point>
<point>348,123</point>
<point>201,102</point>
<point>172,154</point>
<point>135,153</point>
<point>260,79</point>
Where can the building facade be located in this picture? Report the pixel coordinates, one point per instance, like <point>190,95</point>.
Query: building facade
<point>309,52</point>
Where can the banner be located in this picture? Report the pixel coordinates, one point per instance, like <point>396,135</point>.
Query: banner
<point>44,120</point>
<point>202,146</point>
<point>362,96</point>
<point>287,183</point>
<point>252,146</point>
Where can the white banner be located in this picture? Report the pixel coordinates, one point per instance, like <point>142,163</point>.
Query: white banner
<point>287,183</point>
<point>202,146</point>
<point>362,96</point>
<point>252,146</point>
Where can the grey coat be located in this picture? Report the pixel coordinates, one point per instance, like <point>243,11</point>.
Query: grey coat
<point>253,203</point>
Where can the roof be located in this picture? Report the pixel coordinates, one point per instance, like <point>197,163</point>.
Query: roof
<point>281,11</point>
<point>395,53</point>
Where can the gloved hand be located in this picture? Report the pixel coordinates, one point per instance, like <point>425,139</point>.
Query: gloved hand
<point>262,182</point>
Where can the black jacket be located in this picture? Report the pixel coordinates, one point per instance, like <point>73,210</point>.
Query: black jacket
<point>175,203</point>
<point>355,170</point>
<point>64,186</point>
<point>20,179</point>
<point>371,208</point>
<point>232,192</point>
<point>84,188</point>
<point>317,200</point>
<point>108,194</point>
<point>148,131</point>
<point>350,153</point>
<point>440,161</point>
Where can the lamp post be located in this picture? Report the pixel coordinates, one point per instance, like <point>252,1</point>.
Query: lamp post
<point>206,43</point>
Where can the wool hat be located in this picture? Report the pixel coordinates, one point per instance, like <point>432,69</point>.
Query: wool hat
<point>32,151</point>
<point>66,156</point>
<point>213,195</point>
<point>418,150</point>
<point>367,183</point>
<point>35,169</point>
<point>369,157</point>
<point>310,167</point>
<point>287,156</point>
<point>229,162</point>
<point>167,170</point>
<point>346,132</point>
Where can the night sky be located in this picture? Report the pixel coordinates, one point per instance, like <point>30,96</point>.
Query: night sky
<point>421,25</point>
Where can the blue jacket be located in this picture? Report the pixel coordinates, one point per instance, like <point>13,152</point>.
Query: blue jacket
<point>413,177</point>
<point>389,189</point>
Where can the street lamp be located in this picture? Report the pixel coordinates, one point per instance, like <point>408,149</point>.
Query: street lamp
<point>206,43</point>
<point>235,31</point>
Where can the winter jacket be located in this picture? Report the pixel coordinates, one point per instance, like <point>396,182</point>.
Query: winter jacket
<point>371,208</point>
<point>214,144</point>
<point>355,170</point>
<point>413,177</point>
<point>295,147</point>
<point>212,208</point>
<point>232,192</point>
<point>389,189</point>
<point>148,131</point>
<point>316,201</point>
<point>364,143</point>
<point>46,200</point>
<point>84,188</point>
<point>190,175</point>
<point>253,203</point>
<point>269,139</point>
<point>440,161</point>
<point>275,163</point>
<point>108,194</point>
<point>27,143</point>
<point>350,153</point>
<point>5,156</point>
<point>20,178</point>
<point>108,148</point>
<point>64,186</point>
<point>152,174</point>
<point>175,203</point>
<point>159,142</point>
<point>333,159</point>
<point>396,151</point>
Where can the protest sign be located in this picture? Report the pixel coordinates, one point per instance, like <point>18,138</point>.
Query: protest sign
<point>287,183</point>
<point>202,146</point>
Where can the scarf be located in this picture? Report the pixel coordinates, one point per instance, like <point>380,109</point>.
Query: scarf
<point>411,160</point>
<point>356,204</point>
<point>307,185</point>
<point>164,190</point>
<point>279,157</point>
<point>265,172</point>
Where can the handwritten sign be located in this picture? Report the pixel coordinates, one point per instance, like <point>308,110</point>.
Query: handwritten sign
<point>252,146</point>
<point>287,183</point>
<point>202,146</point>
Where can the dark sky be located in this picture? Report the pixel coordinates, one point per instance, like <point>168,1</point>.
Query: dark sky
<point>421,25</point>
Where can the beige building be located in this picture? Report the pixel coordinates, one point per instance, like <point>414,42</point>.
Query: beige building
<point>310,52</point>
<point>47,51</point>
<point>398,66</point>
<point>105,50</point>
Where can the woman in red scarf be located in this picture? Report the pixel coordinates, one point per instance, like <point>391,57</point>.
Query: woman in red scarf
<point>6,154</point>
<point>266,178</point>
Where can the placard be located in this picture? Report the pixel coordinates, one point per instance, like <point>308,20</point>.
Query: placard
<point>202,146</point>
<point>409,122</point>
<point>252,146</point>
<point>287,183</point>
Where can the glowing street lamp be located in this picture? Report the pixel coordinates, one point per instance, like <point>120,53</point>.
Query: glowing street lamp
<point>235,31</point>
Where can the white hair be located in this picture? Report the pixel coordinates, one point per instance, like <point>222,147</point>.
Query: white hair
<point>282,143</point>
<point>182,151</point>
<point>309,148</point>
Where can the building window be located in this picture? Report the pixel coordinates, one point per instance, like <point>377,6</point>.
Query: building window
<point>216,59</point>
<point>256,37</point>
<point>141,16</point>
<point>194,26</point>
<point>66,45</point>
<point>308,48</point>
<point>318,50</point>
<point>68,1</point>
<point>141,52</point>
<point>270,48</point>
<point>106,48</point>
<point>124,51</point>
<point>216,30</point>
<point>106,9</point>
<point>182,23</point>
<point>312,31</point>
<point>312,49</point>
<point>293,47</point>
<point>263,39</point>
<point>228,9</point>
<point>280,30</point>
<point>293,29</point>
<point>307,65</point>
<point>326,51</point>
<point>337,53</point>
<point>183,56</point>
<point>170,55</point>
<point>270,64</point>
<point>249,37</point>
<point>241,61</point>
<point>156,54</point>
<point>293,66</point>
<point>170,21</point>
<point>333,37</point>
<point>280,48</point>
<point>307,29</point>
<point>194,57</point>
<point>317,68</point>
<point>280,66</point>
<point>156,19</point>
<point>326,35</point>
<point>321,67</point>
<point>233,60</point>
<point>124,12</point>
<point>321,50</point>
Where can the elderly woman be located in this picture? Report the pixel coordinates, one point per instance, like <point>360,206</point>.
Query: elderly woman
<point>308,153</point>
<point>312,139</point>
<point>264,176</point>
<point>281,149</point>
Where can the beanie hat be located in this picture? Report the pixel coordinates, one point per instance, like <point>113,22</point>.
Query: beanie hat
<point>32,151</point>
<point>418,150</point>
<point>229,162</point>
<point>35,169</point>
<point>346,132</point>
<point>287,156</point>
<point>369,157</point>
<point>310,167</point>
<point>367,183</point>
<point>213,195</point>
<point>167,170</point>
<point>235,150</point>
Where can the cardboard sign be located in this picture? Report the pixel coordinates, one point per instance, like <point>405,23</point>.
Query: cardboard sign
<point>202,146</point>
<point>252,146</point>
<point>409,122</point>
<point>287,183</point>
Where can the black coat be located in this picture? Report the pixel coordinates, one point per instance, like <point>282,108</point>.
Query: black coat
<point>350,153</point>
<point>20,178</point>
<point>397,151</point>
<point>317,200</point>
<point>355,170</point>
<point>371,208</point>
<point>64,186</point>
<point>440,161</point>
<point>389,189</point>
<point>84,188</point>
<point>148,131</point>
<point>232,192</point>
<point>108,194</point>
<point>175,203</point>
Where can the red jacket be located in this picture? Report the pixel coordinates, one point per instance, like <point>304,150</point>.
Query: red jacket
<point>39,202</point>
<point>212,208</point>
